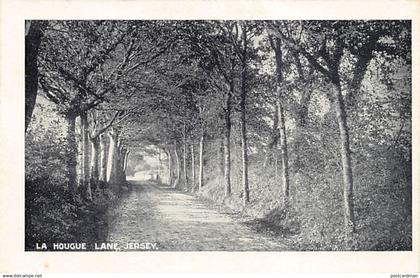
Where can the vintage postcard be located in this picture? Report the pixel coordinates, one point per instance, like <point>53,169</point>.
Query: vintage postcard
<point>270,136</point>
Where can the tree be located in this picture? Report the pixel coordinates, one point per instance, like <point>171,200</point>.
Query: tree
<point>33,37</point>
<point>325,44</point>
<point>332,58</point>
<point>276,45</point>
<point>72,84</point>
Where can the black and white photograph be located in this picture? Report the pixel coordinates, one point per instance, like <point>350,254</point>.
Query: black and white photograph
<point>233,137</point>
<point>218,135</point>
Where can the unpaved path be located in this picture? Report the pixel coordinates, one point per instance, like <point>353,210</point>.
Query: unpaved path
<point>151,217</point>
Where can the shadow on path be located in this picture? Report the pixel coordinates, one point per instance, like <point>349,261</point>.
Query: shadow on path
<point>171,220</point>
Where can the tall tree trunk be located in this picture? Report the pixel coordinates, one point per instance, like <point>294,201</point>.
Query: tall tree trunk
<point>85,157</point>
<point>276,45</point>
<point>178,168</point>
<point>302,118</point>
<point>345,159</point>
<point>185,152</point>
<point>169,167</point>
<point>201,166</point>
<point>79,163</point>
<point>283,150</point>
<point>276,165</point>
<point>228,125</point>
<point>33,39</point>
<point>127,153</point>
<point>221,160</point>
<point>94,159</point>
<point>159,175</point>
<point>71,160</point>
<point>112,165</point>
<point>245,184</point>
<point>121,161</point>
<point>192,167</point>
<point>242,105</point>
<point>102,163</point>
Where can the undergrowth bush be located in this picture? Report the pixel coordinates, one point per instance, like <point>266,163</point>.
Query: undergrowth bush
<point>313,219</point>
<point>51,214</point>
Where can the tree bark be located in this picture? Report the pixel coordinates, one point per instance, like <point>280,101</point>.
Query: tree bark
<point>112,165</point>
<point>276,165</point>
<point>178,168</point>
<point>158,176</point>
<point>185,158</point>
<point>245,184</point>
<point>103,159</point>
<point>192,167</point>
<point>332,73</point>
<point>71,159</point>
<point>119,155</point>
<point>242,105</point>
<point>201,166</point>
<point>283,150</point>
<point>226,151</point>
<point>127,153</point>
<point>345,159</point>
<point>169,167</point>
<point>276,46</point>
<point>87,191</point>
<point>33,39</point>
<point>221,160</point>
<point>121,162</point>
<point>94,163</point>
<point>79,160</point>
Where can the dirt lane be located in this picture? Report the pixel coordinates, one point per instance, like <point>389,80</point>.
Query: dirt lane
<point>158,218</point>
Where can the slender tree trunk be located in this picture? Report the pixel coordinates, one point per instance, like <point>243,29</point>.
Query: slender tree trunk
<point>103,158</point>
<point>276,45</point>
<point>159,175</point>
<point>127,153</point>
<point>276,164</point>
<point>302,119</point>
<point>192,167</point>
<point>121,162</point>
<point>408,190</point>
<point>112,165</point>
<point>201,166</point>
<point>178,168</point>
<point>242,105</point>
<point>32,42</point>
<point>87,191</point>
<point>94,159</point>
<point>71,159</point>
<point>228,124</point>
<point>345,160</point>
<point>169,167</point>
<point>79,163</point>
<point>185,152</point>
<point>221,160</point>
<point>244,163</point>
<point>283,150</point>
